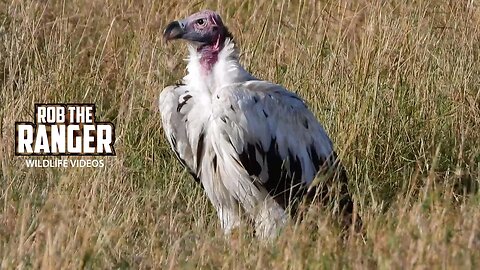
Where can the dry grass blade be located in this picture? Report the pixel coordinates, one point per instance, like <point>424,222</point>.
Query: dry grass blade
<point>396,84</point>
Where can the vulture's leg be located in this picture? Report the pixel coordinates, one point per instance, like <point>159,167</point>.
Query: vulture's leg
<point>228,209</point>
<point>230,218</point>
<point>270,219</point>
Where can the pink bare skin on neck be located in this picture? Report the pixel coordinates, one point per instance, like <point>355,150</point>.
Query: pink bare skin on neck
<point>209,54</point>
<point>208,57</point>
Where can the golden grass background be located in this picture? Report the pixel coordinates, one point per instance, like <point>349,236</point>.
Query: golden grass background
<point>395,83</point>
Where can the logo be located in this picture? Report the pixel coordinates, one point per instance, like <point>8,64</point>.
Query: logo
<point>64,130</point>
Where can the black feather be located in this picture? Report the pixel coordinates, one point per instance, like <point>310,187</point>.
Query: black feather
<point>200,147</point>
<point>214,163</point>
<point>305,123</point>
<point>265,113</point>
<point>248,159</point>
<point>284,183</point>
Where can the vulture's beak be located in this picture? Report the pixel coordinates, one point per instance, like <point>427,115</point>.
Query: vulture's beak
<point>174,30</point>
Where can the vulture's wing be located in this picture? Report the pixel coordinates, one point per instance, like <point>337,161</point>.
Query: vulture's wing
<point>176,104</point>
<point>271,133</point>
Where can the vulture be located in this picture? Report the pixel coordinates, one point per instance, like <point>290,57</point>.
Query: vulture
<point>254,146</point>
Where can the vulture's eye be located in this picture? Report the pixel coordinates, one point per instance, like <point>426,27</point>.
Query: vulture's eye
<point>201,22</point>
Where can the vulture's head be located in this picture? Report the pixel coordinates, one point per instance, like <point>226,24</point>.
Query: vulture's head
<point>204,28</point>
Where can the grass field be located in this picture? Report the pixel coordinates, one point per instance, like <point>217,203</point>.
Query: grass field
<point>395,83</point>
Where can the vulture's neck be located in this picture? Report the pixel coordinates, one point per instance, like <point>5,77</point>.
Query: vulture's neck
<point>212,68</point>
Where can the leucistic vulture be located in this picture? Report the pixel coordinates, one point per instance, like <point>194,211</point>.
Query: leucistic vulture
<point>254,146</point>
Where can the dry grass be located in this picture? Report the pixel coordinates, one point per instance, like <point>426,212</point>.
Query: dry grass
<point>395,84</point>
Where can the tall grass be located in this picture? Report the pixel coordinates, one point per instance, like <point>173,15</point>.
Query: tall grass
<point>395,83</point>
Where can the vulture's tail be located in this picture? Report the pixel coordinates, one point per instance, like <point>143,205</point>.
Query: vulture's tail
<point>333,192</point>
<point>349,217</point>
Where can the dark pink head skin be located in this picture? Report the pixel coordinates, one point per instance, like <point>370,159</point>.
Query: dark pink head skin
<point>205,31</point>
